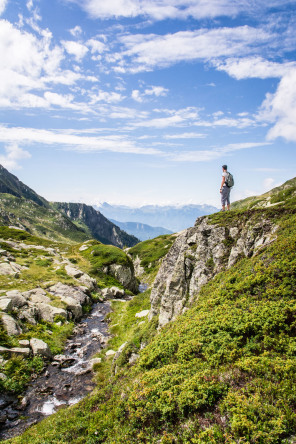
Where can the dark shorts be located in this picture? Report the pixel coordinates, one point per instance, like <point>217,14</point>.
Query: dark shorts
<point>225,196</point>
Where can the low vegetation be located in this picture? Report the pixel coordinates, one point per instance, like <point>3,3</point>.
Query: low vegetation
<point>223,372</point>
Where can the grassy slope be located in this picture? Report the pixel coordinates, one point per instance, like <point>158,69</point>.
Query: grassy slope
<point>224,372</point>
<point>282,194</point>
<point>150,253</point>
<point>40,270</point>
<point>39,220</point>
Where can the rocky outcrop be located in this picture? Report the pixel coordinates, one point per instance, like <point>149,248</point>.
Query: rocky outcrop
<point>98,225</point>
<point>124,274</point>
<point>197,255</point>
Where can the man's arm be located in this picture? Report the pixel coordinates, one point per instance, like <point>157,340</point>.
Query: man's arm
<point>222,183</point>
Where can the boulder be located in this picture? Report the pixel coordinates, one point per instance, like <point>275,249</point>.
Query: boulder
<point>73,306</point>
<point>48,312</point>
<point>88,281</point>
<point>10,325</point>
<point>29,315</point>
<point>73,272</point>
<point>24,342</point>
<point>37,295</point>
<point>17,298</point>
<point>110,353</point>
<point>40,348</point>
<point>112,292</point>
<point>6,269</point>
<point>62,290</point>
<point>83,247</point>
<point>5,304</point>
<point>142,314</point>
<point>94,361</point>
<point>125,275</point>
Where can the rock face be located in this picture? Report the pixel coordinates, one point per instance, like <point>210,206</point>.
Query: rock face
<point>197,255</point>
<point>99,226</point>
<point>124,274</point>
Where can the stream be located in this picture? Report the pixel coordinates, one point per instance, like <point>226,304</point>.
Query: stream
<point>64,382</point>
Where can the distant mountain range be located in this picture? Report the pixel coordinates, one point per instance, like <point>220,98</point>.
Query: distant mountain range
<point>22,207</point>
<point>141,231</point>
<point>173,218</point>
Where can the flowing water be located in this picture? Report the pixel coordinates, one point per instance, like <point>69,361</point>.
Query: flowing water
<point>64,382</point>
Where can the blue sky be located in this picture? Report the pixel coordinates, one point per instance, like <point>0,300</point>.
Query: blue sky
<point>142,101</point>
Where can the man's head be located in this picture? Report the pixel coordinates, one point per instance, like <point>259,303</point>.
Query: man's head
<point>224,167</point>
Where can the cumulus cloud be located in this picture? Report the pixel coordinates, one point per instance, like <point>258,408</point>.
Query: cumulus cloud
<point>13,154</point>
<point>280,109</point>
<point>78,50</point>
<point>254,67</point>
<point>137,96</point>
<point>76,31</point>
<point>157,91</point>
<point>107,97</point>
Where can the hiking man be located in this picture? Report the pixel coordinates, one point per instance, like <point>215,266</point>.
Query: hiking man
<point>226,185</point>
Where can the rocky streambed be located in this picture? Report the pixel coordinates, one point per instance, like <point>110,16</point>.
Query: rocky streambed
<point>64,382</point>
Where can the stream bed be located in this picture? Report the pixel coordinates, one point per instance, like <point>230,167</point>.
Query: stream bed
<point>64,382</point>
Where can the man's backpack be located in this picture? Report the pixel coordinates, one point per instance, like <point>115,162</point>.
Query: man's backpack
<point>229,180</point>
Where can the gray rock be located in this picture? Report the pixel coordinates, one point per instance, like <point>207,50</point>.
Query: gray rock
<point>40,348</point>
<point>196,256</point>
<point>10,325</point>
<point>110,353</point>
<point>112,292</point>
<point>24,342</point>
<point>37,295</point>
<point>83,247</point>
<point>7,269</point>
<point>73,272</point>
<point>88,281</point>
<point>19,351</point>
<point>62,290</point>
<point>5,304</point>
<point>48,312</point>
<point>30,315</point>
<point>73,306</point>
<point>3,377</point>
<point>133,358</point>
<point>17,298</point>
<point>125,275</point>
<point>142,314</point>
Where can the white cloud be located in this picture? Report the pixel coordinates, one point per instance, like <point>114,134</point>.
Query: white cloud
<point>156,91</point>
<point>185,136</point>
<point>254,67</point>
<point>181,117</point>
<point>181,9</point>
<point>76,31</point>
<point>14,153</point>
<point>113,143</point>
<point>215,153</point>
<point>280,108</point>
<point>78,50</point>
<point>3,4</point>
<point>146,51</point>
<point>137,96</point>
<point>268,183</point>
<point>105,96</point>
<point>96,46</point>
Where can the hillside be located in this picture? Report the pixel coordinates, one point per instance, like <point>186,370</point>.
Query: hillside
<point>141,231</point>
<point>277,196</point>
<point>95,224</point>
<point>10,184</point>
<point>215,362</point>
<point>21,207</point>
<point>174,218</point>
